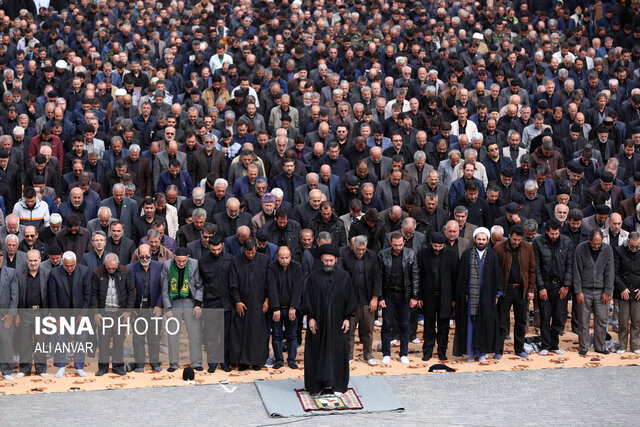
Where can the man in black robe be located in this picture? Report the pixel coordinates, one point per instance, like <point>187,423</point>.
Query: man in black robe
<point>329,302</point>
<point>438,266</point>
<point>478,287</point>
<point>249,334</point>
<point>215,265</point>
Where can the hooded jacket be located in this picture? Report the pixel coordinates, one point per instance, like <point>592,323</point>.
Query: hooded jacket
<point>38,215</point>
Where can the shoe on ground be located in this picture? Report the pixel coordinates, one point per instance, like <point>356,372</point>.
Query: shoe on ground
<point>372,362</point>
<point>557,351</point>
<point>19,375</point>
<point>270,361</point>
<point>443,357</point>
<point>404,359</point>
<point>44,375</point>
<point>100,373</point>
<point>416,341</point>
<point>620,351</point>
<point>7,377</point>
<point>508,337</point>
<point>386,360</point>
<point>482,359</point>
<point>497,356</point>
<point>172,369</point>
<point>603,351</point>
<point>425,357</point>
<point>212,368</point>
<point>523,355</point>
<point>157,368</point>
<point>257,368</point>
<point>138,370</point>
<point>377,323</point>
<point>393,342</point>
<point>379,347</point>
<point>60,372</point>
<point>198,368</point>
<point>293,365</point>
<point>471,359</point>
<point>543,352</point>
<point>81,373</point>
<point>582,352</point>
<point>120,372</point>
<point>277,365</point>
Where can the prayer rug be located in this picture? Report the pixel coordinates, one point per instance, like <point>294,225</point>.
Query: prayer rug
<point>329,402</point>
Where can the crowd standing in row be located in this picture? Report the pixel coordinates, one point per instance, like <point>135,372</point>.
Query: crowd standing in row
<point>456,159</point>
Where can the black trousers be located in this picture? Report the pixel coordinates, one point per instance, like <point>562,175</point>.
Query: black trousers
<point>553,316</point>
<point>512,297</point>
<point>107,352</point>
<point>152,337</point>
<point>430,335</point>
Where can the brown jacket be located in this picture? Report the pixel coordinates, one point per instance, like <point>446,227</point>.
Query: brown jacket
<point>527,261</point>
<point>627,207</point>
<point>163,254</point>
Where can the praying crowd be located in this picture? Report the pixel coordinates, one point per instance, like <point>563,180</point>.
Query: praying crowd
<point>461,161</point>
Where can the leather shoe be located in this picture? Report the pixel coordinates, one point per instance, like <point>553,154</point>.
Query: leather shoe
<point>225,368</point>
<point>212,369</point>
<point>198,368</point>
<point>277,365</point>
<point>426,357</point>
<point>293,365</point>
<point>100,373</point>
<point>582,352</point>
<point>120,372</point>
<point>605,351</point>
<point>172,369</point>
<point>442,357</point>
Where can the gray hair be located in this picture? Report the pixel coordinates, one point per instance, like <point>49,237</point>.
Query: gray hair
<point>118,186</point>
<point>11,237</point>
<point>221,181</point>
<point>98,233</point>
<point>419,156</point>
<point>360,241</point>
<point>497,229</point>
<point>56,218</point>
<point>69,256</point>
<point>111,257</point>
<point>530,225</point>
<point>199,213</point>
<point>531,185</point>
<point>134,148</point>
<point>153,233</point>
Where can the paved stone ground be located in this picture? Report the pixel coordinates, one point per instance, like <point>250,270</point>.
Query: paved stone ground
<point>582,397</point>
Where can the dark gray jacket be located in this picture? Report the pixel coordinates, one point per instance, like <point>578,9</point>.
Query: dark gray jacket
<point>409,268</point>
<point>588,274</point>
<point>544,253</point>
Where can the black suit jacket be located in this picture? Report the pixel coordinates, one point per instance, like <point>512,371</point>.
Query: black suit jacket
<point>60,296</point>
<point>143,178</point>
<point>225,227</point>
<point>198,169</point>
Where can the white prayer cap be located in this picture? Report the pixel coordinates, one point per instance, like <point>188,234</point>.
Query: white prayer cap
<point>121,92</point>
<point>61,64</point>
<point>482,230</point>
<point>478,36</point>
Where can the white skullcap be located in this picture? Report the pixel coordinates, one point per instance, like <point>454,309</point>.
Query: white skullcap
<point>61,64</point>
<point>478,36</point>
<point>482,230</point>
<point>121,92</point>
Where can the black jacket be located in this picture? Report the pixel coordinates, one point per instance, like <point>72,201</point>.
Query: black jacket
<point>546,255</point>
<point>627,271</point>
<point>409,269</point>
<point>284,285</point>
<point>448,272</point>
<point>215,279</point>
<point>371,269</point>
<point>375,235</point>
<point>291,235</point>
<point>335,226</point>
<point>124,285</point>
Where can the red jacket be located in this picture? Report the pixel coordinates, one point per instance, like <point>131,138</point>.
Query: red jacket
<point>56,148</point>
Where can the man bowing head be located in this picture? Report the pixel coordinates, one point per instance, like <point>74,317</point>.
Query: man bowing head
<point>329,301</point>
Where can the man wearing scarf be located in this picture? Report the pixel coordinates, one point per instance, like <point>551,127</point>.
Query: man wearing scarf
<point>479,286</point>
<point>182,294</point>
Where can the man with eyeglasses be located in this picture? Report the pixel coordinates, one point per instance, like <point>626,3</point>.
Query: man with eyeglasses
<point>31,242</point>
<point>148,302</point>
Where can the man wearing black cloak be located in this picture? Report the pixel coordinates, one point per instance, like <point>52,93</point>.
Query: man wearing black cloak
<point>438,266</point>
<point>329,302</point>
<point>249,334</point>
<point>478,288</point>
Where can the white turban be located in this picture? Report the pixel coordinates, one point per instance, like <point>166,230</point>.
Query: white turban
<point>483,230</point>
